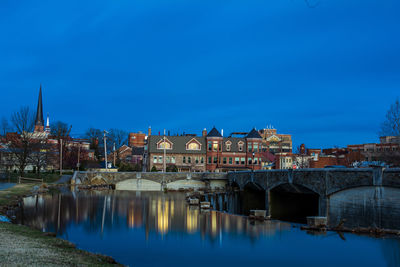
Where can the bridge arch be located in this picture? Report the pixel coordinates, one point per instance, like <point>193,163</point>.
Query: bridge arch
<point>138,185</point>
<point>293,202</point>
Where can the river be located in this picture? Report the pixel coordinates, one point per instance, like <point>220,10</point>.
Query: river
<point>160,229</point>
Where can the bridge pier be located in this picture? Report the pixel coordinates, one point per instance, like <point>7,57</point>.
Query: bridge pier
<point>323,206</point>
<point>268,203</point>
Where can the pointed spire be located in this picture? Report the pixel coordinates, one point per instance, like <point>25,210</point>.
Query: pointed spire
<point>39,122</point>
<point>48,124</point>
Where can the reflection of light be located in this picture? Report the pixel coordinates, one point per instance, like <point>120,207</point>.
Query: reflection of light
<point>213,222</point>
<point>131,215</point>
<point>162,216</point>
<point>191,220</point>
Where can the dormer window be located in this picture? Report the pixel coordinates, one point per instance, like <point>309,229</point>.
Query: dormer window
<point>228,146</point>
<point>240,145</point>
<point>164,144</point>
<point>193,145</point>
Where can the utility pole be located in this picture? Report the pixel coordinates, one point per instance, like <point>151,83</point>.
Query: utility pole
<point>79,155</point>
<point>165,152</point>
<point>114,153</point>
<point>105,149</point>
<point>61,151</point>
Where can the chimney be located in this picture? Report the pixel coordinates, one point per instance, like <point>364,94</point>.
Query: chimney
<point>204,132</point>
<point>149,131</point>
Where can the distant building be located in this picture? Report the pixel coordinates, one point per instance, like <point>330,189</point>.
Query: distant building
<point>274,142</point>
<point>137,139</point>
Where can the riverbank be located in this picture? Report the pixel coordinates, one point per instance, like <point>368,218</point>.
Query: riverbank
<point>21,245</point>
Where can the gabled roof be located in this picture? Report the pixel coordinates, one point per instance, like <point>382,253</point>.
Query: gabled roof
<point>253,134</point>
<point>214,133</point>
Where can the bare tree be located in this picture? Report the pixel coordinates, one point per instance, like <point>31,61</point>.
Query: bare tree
<point>4,126</point>
<point>21,143</point>
<point>117,137</point>
<point>40,155</point>
<point>391,125</point>
<point>60,131</point>
<point>94,135</point>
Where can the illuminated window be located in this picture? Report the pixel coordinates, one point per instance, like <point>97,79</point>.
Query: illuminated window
<point>249,146</point>
<point>242,161</point>
<point>160,159</point>
<point>237,161</point>
<point>255,147</point>
<point>154,159</point>
<point>163,144</point>
<point>215,146</point>
<point>193,146</point>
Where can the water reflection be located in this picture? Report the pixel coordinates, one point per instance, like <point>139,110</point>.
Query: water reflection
<point>153,228</point>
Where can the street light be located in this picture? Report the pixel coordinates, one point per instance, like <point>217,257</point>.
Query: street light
<point>253,161</point>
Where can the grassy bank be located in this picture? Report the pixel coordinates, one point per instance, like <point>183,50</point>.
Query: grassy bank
<point>24,246</point>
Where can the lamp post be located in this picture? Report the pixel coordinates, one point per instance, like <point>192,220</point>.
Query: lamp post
<point>105,149</point>
<point>252,167</point>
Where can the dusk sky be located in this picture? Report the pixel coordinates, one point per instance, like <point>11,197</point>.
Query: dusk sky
<point>325,74</point>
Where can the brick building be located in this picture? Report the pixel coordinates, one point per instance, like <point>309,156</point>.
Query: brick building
<point>274,142</point>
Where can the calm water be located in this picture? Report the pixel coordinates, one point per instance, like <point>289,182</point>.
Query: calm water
<point>157,229</point>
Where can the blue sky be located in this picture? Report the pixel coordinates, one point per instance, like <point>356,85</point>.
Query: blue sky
<point>326,75</point>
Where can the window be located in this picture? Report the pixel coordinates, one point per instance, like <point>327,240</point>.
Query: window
<point>228,146</point>
<point>154,159</point>
<point>242,161</point>
<point>249,146</point>
<point>230,161</point>
<point>193,146</point>
<point>160,159</point>
<point>168,159</point>
<point>201,160</point>
<point>197,160</point>
<point>215,146</point>
<point>184,160</point>
<point>249,161</point>
<point>215,160</point>
<point>172,159</point>
<point>163,144</point>
<point>240,144</point>
<point>237,161</point>
<point>255,147</point>
<point>224,161</point>
<point>209,146</point>
<point>255,161</point>
<point>209,160</point>
<point>189,160</point>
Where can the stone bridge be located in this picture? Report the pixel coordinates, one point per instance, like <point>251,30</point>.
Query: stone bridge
<point>372,193</point>
<point>153,181</point>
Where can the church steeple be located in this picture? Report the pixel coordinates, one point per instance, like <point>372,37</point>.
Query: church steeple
<point>39,122</point>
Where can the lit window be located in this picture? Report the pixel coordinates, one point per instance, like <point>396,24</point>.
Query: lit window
<point>215,146</point>
<point>242,161</point>
<point>255,147</point>
<point>163,144</point>
<point>154,159</point>
<point>249,146</point>
<point>193,146</point>
<point>160,159</point>
<point>237,161</point>
<point>172,159</point>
